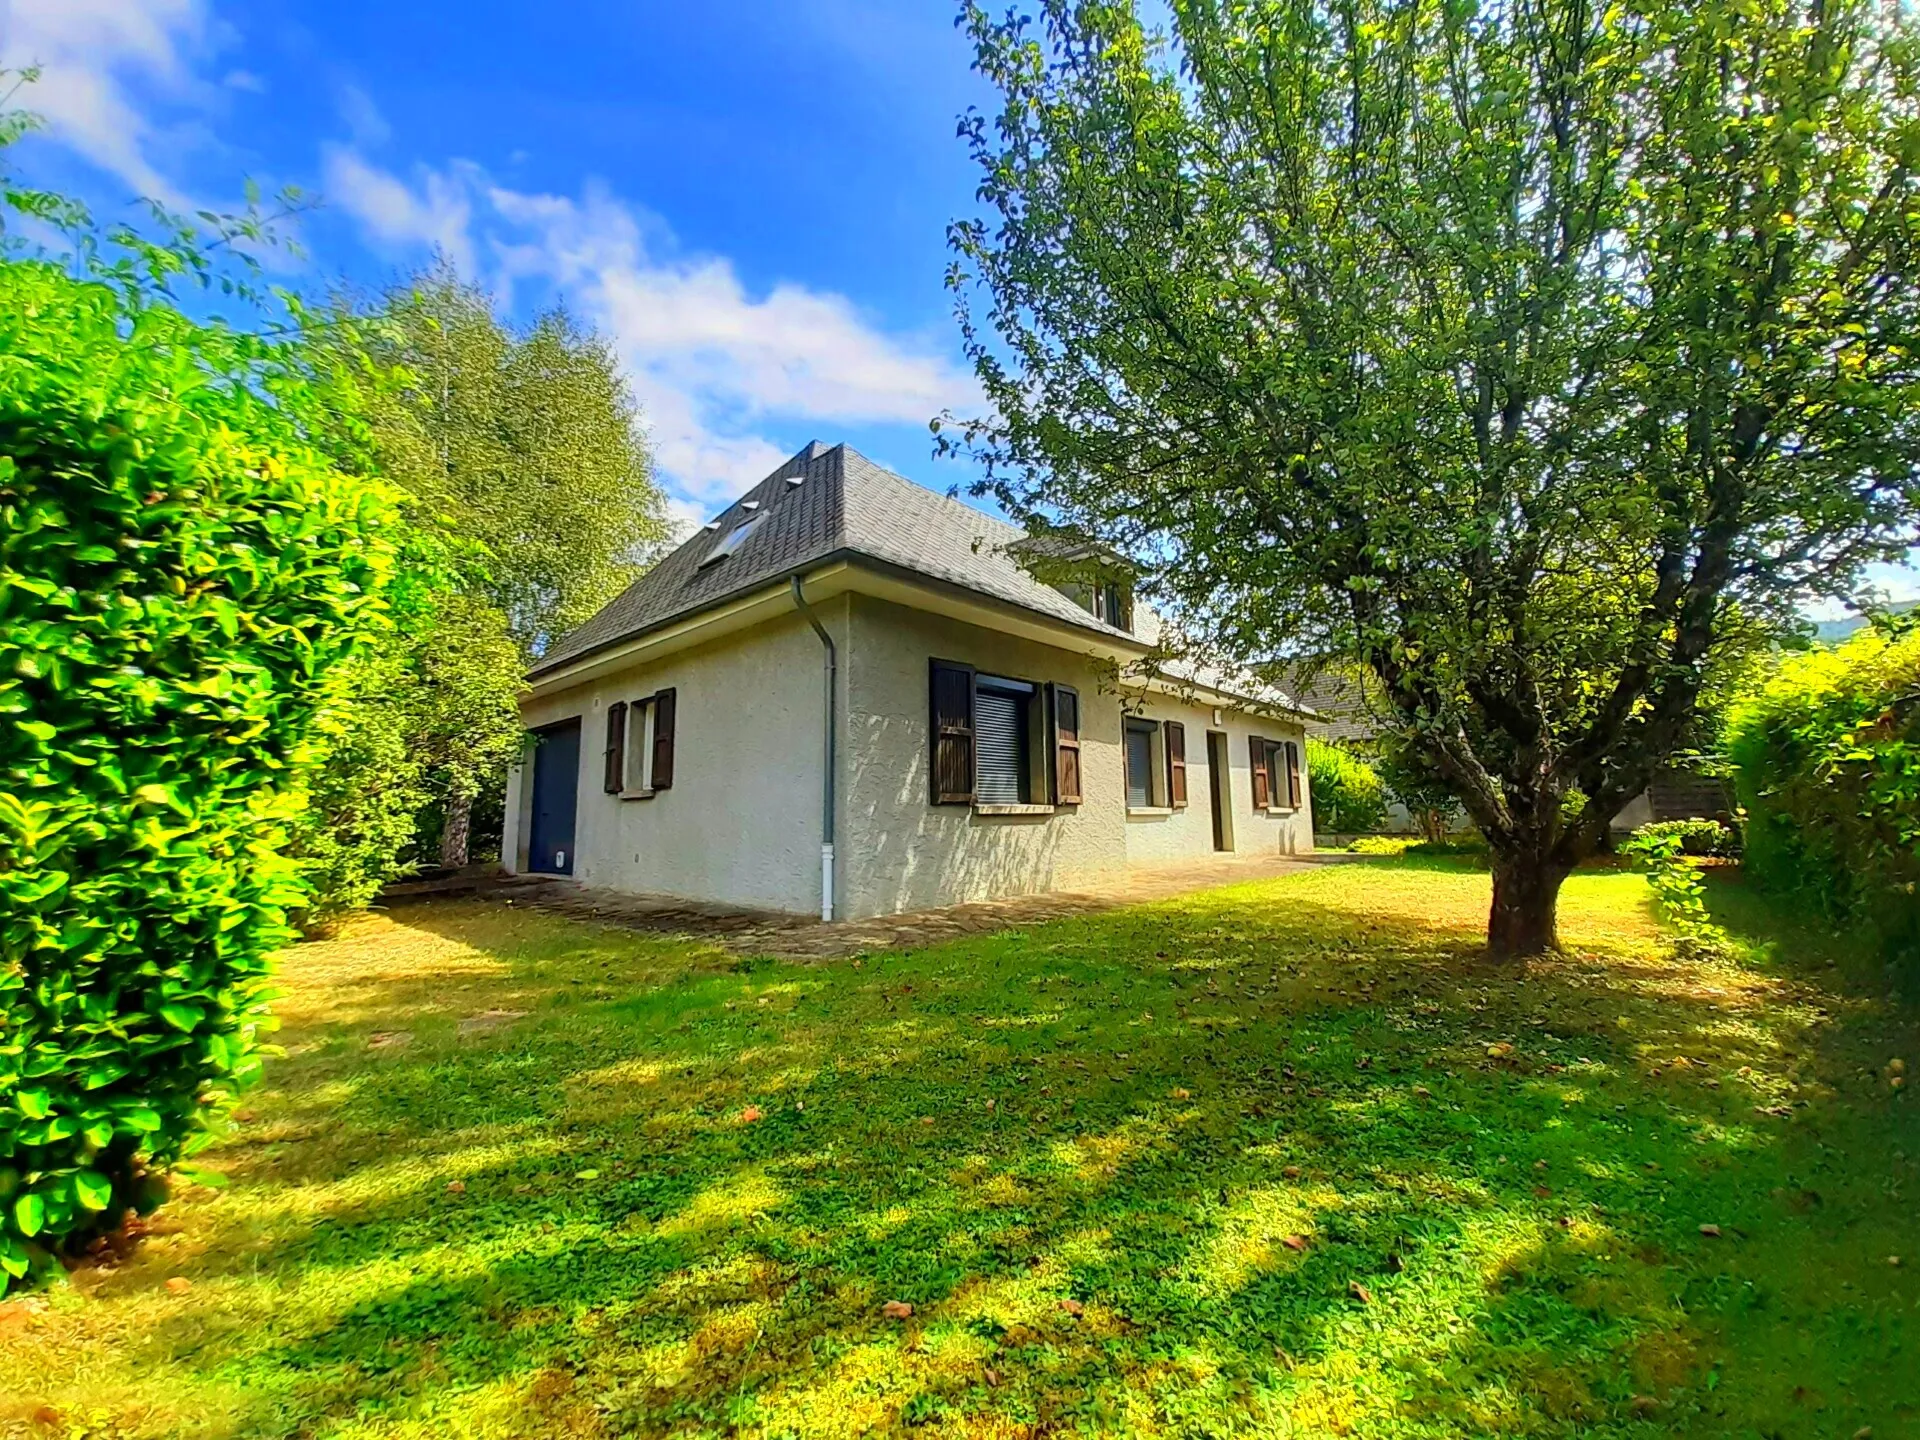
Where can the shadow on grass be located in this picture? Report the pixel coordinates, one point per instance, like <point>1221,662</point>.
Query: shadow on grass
<point>1301,1159</point>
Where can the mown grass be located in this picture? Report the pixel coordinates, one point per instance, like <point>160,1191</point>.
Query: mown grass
<point>449,1218</point>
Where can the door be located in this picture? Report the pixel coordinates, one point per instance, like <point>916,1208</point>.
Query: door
<point>1219,778</point>
<point>556,796</point>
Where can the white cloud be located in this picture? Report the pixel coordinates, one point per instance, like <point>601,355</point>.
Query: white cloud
<point>710,361</point>
<point>95,57</point>
<point>437,216</point>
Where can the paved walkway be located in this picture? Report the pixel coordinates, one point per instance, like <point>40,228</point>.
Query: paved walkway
<point>760,932</point>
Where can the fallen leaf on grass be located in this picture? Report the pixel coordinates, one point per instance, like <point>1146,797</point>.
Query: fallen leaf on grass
<point>1543,1191</point>
<point>46,1415</point>
<point>1296,1243</point>
<point>1500,1051</point>
<point>992,1376</point>
<point>1359,1292</point>
<point>750,1114</point>
<point>586,1174</point>
<point>1073,1307</point>
<point>1183,1094</point>
<point>179,1285</point>
<point>1712,1232</point>
<point>896,1310</point>
<point>1292,1172</point>
<point>456,1187</point>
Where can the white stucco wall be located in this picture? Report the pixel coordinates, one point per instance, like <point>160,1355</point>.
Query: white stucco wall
<point>904,853</point>
<point>1187,833</point>
<point>741,823</point>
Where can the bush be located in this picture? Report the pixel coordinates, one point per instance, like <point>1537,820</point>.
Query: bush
<point>1667,853</point>
<point>1345,791</point>
<point>1826,762</point>
<point>180,574</point>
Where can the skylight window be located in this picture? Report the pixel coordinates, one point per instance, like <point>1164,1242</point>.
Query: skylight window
<point>731,541</point>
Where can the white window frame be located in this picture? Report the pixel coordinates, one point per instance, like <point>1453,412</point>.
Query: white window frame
<point>636,767</point>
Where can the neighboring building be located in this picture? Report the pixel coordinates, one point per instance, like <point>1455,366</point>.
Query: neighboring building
<point>987,734</point>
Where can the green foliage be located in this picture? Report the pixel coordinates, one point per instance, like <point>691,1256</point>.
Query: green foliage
<point>181,575</point>
<point>1346,791</point>
<point>532,504</point>
<point>1826,763</point>
<point>1666,852</point>
<point>1539,359</point>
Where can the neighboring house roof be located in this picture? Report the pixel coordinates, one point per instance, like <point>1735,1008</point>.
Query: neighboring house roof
<point>826,504</point>
<point>1339,707</point>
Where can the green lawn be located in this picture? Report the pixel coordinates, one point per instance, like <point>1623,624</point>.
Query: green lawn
<point>1279,1160</point>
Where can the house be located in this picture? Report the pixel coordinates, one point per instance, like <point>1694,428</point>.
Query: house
<point>847,695</point>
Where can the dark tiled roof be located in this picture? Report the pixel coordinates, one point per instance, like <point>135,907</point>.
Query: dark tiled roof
<point>1338,702</point>
<point>844,506</point>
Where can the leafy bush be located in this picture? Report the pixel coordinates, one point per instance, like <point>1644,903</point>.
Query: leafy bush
<point>1345,791</point>
<point>1666,853</point>
<point>1826,760</point>
<point>1411,782</point>
<point>180,574</point>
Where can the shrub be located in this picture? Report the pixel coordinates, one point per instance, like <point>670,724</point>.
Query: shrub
<point>1826,761</point>
<point>1345,791</point>
<point>179,575</point>
<point>1666,852</point>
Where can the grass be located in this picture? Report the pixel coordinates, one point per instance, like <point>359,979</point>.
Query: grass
<point>507,1182</point>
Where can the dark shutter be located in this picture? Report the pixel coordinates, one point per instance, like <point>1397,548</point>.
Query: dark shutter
<point>1176,763</point>
<point>1066,745</point>
<point>616,756</point>
<point>1261,791</point>
<point>663,708</point>
<point>950,730</point>
<point>1293,775</point>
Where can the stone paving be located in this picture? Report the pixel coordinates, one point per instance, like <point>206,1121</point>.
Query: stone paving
<point>759,932</point>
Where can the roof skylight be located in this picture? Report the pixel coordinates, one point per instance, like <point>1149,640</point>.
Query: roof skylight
<point>731,541</point>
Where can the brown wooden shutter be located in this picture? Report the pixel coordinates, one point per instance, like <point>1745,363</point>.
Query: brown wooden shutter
<point>1176,763</point>
<point>616,756</point>
<point>1066,745</point>
<point>1293,775</point>
<point>663,708</point>
<point>1262,791</point>
<point>950,706</point>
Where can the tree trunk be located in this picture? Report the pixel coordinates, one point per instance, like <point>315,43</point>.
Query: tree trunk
<point>1526,898</point>
<point>456,830</point>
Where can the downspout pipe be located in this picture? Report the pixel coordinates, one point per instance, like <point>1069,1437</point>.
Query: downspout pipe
<point>826,780</point>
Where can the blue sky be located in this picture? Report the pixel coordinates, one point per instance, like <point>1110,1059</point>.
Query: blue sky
<point>748,197</point>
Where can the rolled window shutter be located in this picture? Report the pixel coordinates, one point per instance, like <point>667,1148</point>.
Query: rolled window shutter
<point>1066,745</point>
<point>1293,775</point>
<point>1176,763</point>
<point>950,732</point>
<point>616,756</point>
<point>663,708</point>
<point>1261,792</point>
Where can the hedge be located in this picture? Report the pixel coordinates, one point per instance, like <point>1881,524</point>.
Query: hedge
<point>1827,765</point>
<point>1346,792</point>
<point>179,575</point>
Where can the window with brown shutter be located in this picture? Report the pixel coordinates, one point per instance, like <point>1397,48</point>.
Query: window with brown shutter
<point>661,777</point>
<point>1293,775</point>
<point>950,732</point>
<point>1257,748</point>
<point>1176,763</point>
<point>614,780</point>
<point>1066,744</point>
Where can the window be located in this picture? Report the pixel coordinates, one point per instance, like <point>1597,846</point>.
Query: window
<point>1113,604</point>
<point>1276,773</point>
<point>1140,769</point>
<point>639,754</point>
<point>1003,747</point>
<point>731,541</point>
<point>994,741</point>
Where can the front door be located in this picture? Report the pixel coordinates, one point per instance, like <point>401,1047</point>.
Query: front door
<point>1219,780</point>
<point>556,795</point>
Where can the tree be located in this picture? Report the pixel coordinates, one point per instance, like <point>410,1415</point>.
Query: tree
<point>533,490</point>
<point>1518,352</point>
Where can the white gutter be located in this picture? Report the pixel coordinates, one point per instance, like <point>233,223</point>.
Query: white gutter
<point>827,779</point>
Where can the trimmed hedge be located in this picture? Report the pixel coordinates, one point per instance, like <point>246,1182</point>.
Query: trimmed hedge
<point>1346,793</point>
<point>1827,764</point>
<point>179,573</point>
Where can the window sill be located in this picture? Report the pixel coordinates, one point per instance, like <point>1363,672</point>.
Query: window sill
<point>638,794</point>
<point>1013,809</point>
<point>1282,812</point>
<point>1149,810</point>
